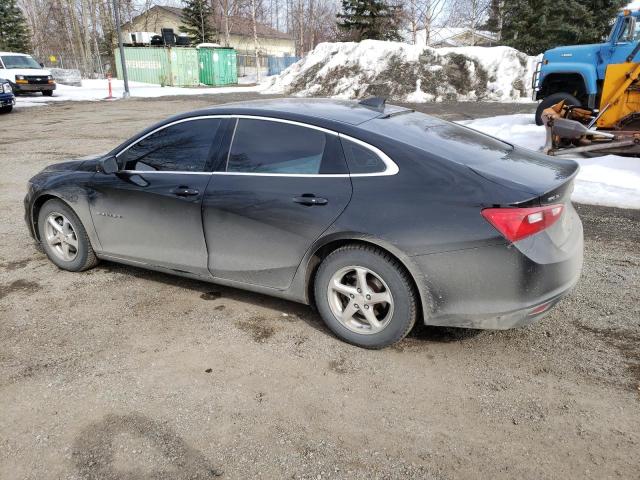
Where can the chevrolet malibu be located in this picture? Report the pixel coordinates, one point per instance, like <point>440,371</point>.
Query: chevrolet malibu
<point>378,215</point>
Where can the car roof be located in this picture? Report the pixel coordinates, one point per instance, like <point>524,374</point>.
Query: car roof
<point>344,111</point>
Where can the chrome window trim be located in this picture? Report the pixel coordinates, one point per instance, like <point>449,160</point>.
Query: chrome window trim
<point>391,166</point>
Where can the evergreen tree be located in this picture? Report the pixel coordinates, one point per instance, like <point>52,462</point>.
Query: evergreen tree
<point>197,16</point>
<point>534,26</point>
<point>494,21</point>
<point>369,19</point>
<point>14,34</point>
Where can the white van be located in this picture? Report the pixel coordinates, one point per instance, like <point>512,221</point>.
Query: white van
<point>25,74</point>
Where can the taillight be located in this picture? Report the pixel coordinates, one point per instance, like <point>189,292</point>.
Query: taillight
<point>518,223</point>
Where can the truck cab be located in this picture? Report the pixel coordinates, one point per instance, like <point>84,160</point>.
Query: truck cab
<point>25,74</point>
<point>576,73</point>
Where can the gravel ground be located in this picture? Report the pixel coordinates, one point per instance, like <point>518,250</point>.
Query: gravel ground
<point>121,373</point>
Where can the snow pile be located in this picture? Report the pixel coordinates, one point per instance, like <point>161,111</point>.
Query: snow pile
<point>609,180</point>
<point>98,90</point>
<point>404,72</point>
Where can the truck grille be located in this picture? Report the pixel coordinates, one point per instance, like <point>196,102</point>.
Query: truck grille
<point>37,79</point>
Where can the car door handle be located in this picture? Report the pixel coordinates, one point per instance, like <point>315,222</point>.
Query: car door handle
<point>183,191</point>
<point>310,199</point>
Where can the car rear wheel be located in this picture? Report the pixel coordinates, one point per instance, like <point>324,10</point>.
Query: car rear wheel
<point>64,238</point>
<point>365,296</point>
<point>6,109</point>
<point>552,100</point>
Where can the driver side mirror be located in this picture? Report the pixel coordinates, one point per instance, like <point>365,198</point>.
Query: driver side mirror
<point>108,165</point>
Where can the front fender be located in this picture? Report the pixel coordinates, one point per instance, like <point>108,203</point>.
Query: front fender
<point>586,71</point>
<point>76,193</point>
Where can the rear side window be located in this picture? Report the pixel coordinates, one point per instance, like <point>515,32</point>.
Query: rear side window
<point>262,146</point>
<point>183,147</point>
<point>361,159</point>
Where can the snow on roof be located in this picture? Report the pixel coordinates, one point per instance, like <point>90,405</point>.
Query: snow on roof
<point>15,54</point>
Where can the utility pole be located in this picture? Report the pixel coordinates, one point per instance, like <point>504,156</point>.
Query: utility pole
<point>116,10</point>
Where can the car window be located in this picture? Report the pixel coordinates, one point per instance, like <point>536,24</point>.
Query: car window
<point>20,61</point>
<point>361,159</point>
<point>630,30</point>
<point>262,146</point>
<point>183,147</point>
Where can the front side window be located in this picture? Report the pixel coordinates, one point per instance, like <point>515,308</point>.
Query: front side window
<point>262,146</point>
<point>183,147</point>
<point>630,30</point>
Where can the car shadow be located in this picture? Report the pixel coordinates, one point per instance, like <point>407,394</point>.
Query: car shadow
<point>210,291</point>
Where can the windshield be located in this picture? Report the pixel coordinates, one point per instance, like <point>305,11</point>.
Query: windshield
<point>19,61</point>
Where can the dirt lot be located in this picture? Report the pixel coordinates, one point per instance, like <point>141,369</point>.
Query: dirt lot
<point>120,373</point>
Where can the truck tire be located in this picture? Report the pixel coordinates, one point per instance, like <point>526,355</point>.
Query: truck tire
<point>47,93</point>
<point>552,100</point>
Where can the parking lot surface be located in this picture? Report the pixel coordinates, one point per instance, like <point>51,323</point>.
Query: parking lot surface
<point>122,373</point>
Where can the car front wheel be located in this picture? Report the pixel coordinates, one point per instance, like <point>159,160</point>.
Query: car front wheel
<point>47,93</point>
<point>365,296</point>
<point>6,109</point>
<point>64,238</point>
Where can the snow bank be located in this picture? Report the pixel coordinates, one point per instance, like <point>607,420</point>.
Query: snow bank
<point>609,180</point>
<point>404,72</point>
<point>98,90</point>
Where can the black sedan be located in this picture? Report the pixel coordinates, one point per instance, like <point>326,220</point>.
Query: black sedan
<point>378,215</point>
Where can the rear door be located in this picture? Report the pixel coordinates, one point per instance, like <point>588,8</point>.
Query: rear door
<point>151,210</point>
<point>280,186</point>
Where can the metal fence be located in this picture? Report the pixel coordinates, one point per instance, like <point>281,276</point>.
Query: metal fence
<point>277,64</point>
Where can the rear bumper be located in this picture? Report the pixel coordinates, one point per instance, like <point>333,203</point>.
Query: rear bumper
<point>502,286</point>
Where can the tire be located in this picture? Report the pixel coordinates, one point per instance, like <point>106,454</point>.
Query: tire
<point>385,278</point>
<point>6,109</point>
<point>47,93</point>
<point>552,100</point>
<point>78,257</point>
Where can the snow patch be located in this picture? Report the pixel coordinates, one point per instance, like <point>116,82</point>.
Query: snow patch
<point>93,90</point>
<point>394,70</point>
<point>609,180</point>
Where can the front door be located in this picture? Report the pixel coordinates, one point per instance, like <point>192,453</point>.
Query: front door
<point>151,210</point>
<point>282,185</point>
<point>626,39</point>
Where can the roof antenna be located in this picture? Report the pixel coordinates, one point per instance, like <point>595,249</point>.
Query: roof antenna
<point>374,102</point>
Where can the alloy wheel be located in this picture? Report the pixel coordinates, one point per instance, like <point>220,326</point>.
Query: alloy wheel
<point>61,236</point>
<point>360,300</point>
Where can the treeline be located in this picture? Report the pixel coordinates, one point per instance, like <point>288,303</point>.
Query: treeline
<point>81,33</point>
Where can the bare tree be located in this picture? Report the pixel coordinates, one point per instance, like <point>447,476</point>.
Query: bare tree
<point>255,38</point>
<point>471,14</point>
<point>423,14</point>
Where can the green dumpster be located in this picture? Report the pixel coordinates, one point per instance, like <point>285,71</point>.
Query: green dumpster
<point>217,66</point>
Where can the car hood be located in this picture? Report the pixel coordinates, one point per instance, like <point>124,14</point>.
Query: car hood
<point>573,53</point>
<point>12,72</point>
<point>84,164</point>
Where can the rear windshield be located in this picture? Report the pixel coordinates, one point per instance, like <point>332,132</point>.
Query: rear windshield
<point>441,138</point>
<point>19,61</point>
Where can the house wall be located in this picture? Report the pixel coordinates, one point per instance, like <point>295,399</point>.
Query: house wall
<point>153,21</point>
<point>268,46</point>
<point>156,19</point>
